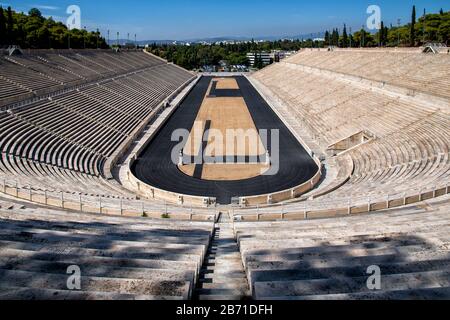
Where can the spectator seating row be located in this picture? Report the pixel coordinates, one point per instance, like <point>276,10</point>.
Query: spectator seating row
<point>118,258</point>
<point>335,258</point>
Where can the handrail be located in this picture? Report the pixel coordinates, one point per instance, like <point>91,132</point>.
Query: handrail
<point>287,194</point>
<point>346,206</point>
<point>100,204</point>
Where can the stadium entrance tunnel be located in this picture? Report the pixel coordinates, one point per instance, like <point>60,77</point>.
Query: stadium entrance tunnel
<point>223,104</point>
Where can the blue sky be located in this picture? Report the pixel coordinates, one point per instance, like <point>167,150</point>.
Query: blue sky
<point>186,19</point>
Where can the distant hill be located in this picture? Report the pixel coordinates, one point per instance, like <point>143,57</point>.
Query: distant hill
<point>219,39</point>
<point>140,42</point>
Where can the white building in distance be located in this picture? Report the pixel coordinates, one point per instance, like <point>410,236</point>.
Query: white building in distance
<point>264,56</point>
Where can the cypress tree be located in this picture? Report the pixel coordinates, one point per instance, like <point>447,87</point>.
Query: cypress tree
<point>10,27</point>
<point>344,37</point>
<point>363,38</point>
<point>335,37</point>
<point>424,24</point>
<point>2,27</point>
<point>381,34</point>
<point>258,61</point>
<point>413,30</point>
<point>327,38</point>
<point>386,36</point>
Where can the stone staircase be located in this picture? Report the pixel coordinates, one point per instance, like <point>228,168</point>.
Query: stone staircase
<point>222,276</point>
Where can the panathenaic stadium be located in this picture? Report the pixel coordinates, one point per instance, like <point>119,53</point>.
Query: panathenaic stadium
<point>351,175</point>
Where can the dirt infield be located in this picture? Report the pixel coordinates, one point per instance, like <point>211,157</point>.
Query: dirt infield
<point>226,172</point>
<point>226,83</point>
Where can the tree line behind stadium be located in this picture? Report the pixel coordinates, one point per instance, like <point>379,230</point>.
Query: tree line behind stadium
<point>32,30</point>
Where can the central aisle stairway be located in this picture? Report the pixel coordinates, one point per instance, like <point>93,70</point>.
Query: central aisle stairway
<point>222,276</point>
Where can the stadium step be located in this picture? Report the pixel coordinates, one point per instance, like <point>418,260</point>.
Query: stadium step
<point>222,276</point>
<point>349,285</point>
<point>26,293</point>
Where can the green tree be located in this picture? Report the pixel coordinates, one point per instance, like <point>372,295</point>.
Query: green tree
<point>35,13</point>
<point>3,34</point>
<point>344,37</point>
<point>381,34</point>
<point>413,30</point>
<point>259,64</point>
<point>363,38</point>
<point>444,29</point>
<point>35,31</point>
<point>10,26</point>
<point>327,38</point>
<point>334,41</point>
